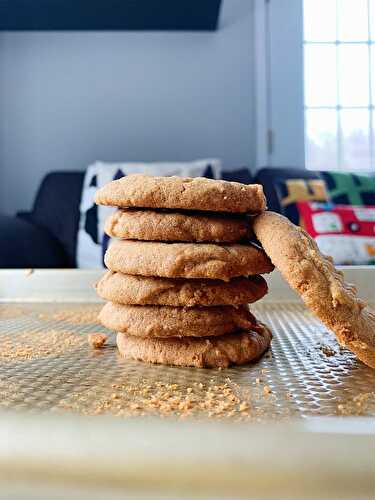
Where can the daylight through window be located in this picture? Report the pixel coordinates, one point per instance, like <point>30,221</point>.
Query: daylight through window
<point>339,66</point>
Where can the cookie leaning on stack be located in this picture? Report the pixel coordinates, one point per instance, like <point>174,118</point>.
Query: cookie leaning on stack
<point>182,274</point>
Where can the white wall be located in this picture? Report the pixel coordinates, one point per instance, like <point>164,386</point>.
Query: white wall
<point>68,99</point>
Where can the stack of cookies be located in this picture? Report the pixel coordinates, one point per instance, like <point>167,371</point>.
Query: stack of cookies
<point>182,270</point>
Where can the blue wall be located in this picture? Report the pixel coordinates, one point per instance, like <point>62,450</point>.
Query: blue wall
<point>68,99</point>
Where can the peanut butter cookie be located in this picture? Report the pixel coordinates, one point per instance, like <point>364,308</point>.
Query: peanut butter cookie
<point>165,321</point>
<point>155,225</point>
<point>199,193</point>
<point>321,286</point>
<point>186,260</point>
<point>210,352</point>
<point>179,292</point>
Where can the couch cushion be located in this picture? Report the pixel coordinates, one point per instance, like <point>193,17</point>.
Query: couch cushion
<point>238,175</point>
<point>350,189</point>
<point>56,208</point>
<point>29,246</point>
<point>268,175</point>
<point>345,232</point>
<point>291,191</point>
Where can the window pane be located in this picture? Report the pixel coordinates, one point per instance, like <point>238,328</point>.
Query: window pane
<point>372,19</point>
<point>321,139</point>
<point>319,20</point>
<point>353,75</point>
<point>352,20</point>
<point>355,139</point>
<point>320,75</point>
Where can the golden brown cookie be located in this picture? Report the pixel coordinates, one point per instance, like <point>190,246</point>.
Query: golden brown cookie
<point>321,286</point>
<point>142,290</point>
<point>154,225</point>
<point>186,260</point>
<point>210,352</point>
<point>199,193</point>
<point>165,321</point>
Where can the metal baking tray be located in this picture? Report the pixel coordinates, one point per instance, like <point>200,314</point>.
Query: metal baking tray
<point>286,411</point>
<point>46,364</point>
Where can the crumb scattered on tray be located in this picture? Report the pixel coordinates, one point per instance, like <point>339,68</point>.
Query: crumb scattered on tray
<point>75,315</point>
<point>97,340</point>
<point>29,272</point>
<point>36,345</point>
<point>327,350</point>
<point>357,406</point>
<point>7,391</point>
<point>10,311</point>
<point>267,389</point>
<point>211,400</point>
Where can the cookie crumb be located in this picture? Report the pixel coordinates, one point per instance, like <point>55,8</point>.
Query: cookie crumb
<point>39,345</point>
<point>357,405</point>
<point>220,401</point>
<point>257,380</point>
<point>327,350</point>
<point>75,315</point>
<point>267,389</point>
<point>97,340</point>
<point>29,272</point>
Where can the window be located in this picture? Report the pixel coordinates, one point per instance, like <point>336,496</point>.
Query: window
<point>339,84</point>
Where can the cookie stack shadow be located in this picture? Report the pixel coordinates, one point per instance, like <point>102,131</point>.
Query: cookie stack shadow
<point>182,271</point>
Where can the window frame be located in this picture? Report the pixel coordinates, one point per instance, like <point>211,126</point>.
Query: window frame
<point>337,43</point>
<point>280,106</point>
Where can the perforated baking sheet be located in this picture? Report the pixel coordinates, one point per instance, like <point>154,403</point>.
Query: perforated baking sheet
<point>47,365</point>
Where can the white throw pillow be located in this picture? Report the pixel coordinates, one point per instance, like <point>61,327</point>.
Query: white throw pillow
<point>91,241</point>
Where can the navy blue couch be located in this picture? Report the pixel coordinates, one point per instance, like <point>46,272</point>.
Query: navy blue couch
<point>46,237</point>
